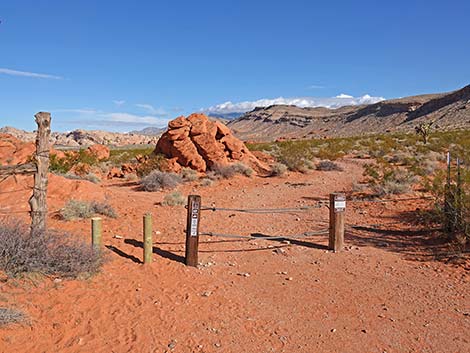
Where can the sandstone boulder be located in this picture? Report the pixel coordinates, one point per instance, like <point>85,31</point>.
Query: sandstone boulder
<point>199,143</point>
<point>99,151</point>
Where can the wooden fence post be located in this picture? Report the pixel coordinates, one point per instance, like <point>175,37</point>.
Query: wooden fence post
<point>337,211</point>
<point>148,241</point>
<point>38,201</point>
<point>192,230</point>
<point>96,231</point>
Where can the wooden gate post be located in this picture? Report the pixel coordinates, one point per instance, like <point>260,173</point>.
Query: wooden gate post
<point>192,230</point>
<point>96,231</point>
<point>337,211</point>
<point>38,201</point>
<point>148,241</point>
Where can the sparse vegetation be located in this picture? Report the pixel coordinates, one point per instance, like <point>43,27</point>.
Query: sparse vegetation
<point>158,180</point>
<point>206,182</point>
<point>11,316</point>
<point>174,199</point>
<point>230,170</point>
<point>189,174</point>
<point>76,209</point>
<point>278,169</point>
<point>328,166</point>
<point>48,253</point>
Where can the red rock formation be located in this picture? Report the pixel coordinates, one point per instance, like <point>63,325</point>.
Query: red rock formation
<point>198,143</point>
<point>99,151</point>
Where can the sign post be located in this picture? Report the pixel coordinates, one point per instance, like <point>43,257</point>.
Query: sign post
<point>337,211</point>
<point>192,230</point>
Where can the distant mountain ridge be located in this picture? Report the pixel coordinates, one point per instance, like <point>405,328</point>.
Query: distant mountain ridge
<point>77,138</point>
<point>448,110</point>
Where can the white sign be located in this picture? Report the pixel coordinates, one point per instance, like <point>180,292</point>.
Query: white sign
<point>340,205</point>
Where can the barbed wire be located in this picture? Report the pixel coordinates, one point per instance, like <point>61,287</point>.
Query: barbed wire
<point>251,237</point>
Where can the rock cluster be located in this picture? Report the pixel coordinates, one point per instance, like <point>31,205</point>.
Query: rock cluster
<point>198,143</point>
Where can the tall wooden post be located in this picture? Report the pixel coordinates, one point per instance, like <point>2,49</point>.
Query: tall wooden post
<point>447,197</point>
<point>148,241</point>
<point>192,230</point>
<point>38,201</point>
<point>337,211</point>
<point>96,232</point>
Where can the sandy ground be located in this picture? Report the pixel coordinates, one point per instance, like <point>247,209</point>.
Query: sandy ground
<point>386,292</point>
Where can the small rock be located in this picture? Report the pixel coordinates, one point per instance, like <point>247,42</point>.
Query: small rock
<point>218,345</point>
<point>289,279</point>
<point>117,237</point>
<point>333,330</point>
<point>172,344</point>
<point>206,293</point>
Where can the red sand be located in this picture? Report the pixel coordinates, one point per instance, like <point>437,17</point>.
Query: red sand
<point>385,293</point>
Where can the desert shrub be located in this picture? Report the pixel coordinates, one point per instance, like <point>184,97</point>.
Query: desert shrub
<point>76,209</point>
<point>395,182</point>
<point>278,169</point>
<point>128,154</point>
<point>206,182</point>
<point>103,208</point>
<point>48,253</point>
<point>89,177</point>
<point>71,159</point>
<point>328,166</point>
<point>158,180</point>
<point>230,170</point>
<point>11,316</point>
<point>189,174</point>
<point>154,162</point>
<point>174,199</point>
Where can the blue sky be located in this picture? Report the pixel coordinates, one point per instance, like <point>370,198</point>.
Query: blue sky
<point>121,65</point>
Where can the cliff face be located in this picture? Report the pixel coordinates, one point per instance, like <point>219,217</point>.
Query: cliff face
<point>448,110</point>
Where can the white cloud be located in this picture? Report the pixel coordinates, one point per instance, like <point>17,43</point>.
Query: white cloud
<point>28,74</point>
<point>119,102</point>
<point>315,87</point>
<point>342,95</point>
<point>151,109</point>
<point>77,111</point>
<point>303,102</point>
<point>132,119</point>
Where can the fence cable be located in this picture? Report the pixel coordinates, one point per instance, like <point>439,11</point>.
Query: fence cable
<point>281,237</point>
<point>262,210</point>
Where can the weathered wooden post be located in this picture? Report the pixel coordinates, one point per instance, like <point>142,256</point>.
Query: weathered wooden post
<point>192,230</point>
<point>38,201</point>
<point>96,231</point>
<point>447,197</point>
<point>337,211</point>
<point>148,241</point>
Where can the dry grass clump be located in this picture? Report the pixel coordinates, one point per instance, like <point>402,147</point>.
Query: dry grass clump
<point>278,169</point>
<point>11,316</point>
<point>189,174</point>
<point>76,209</point>
<point>396,182</point>
<point>328,166</point>
<point>47,253</point>
<point>158,180</point>
<point>174,199</point>
<point>230,170</point>
<point>206,182</point>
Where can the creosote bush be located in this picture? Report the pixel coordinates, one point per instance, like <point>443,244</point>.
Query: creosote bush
<point>174,199</point>
<point>76,209</point>
<point>47,253</point>
<point>11,316</point>
<point>328,166</point>
<point>158,180</point>
<point>278,169</point>
<point>230,170</point>
<point>189,174</point>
